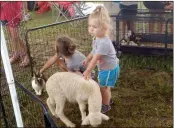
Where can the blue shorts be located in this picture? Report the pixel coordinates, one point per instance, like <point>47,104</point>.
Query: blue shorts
<point>108,77</point>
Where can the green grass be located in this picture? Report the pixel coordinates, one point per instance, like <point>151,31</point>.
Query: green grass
<point>40,19</point>
<point>143,98</point>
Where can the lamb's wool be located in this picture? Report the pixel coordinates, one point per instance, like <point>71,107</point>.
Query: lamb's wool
<point>65,85</point>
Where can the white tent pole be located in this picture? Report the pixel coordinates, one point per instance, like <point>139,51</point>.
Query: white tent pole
<point>10,80</point>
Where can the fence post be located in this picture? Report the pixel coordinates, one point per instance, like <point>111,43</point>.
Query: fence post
<point>10,80</point>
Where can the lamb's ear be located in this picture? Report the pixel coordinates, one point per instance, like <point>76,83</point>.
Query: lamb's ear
<point>86,121</point>
<point>104,117</point>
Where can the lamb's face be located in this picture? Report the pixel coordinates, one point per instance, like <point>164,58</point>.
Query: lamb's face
<point>95,119</point>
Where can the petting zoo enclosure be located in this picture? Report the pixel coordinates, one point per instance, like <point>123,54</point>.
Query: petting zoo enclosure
<point>40,45</point>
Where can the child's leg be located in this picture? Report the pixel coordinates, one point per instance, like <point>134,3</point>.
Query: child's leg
<point>22,49</point>
<point>107,77</point>
<point>106,95</point>
<point>18,46</point>
<point>14,49</point>
<point>17,43</point>
<point>26,15</point>
<point>110,100</point>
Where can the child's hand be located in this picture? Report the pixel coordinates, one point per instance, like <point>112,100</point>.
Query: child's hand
<point>41,71</point>
<point>87,75</point>
<point>85,62</point>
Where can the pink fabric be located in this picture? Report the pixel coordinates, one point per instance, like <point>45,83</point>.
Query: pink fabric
<point>43,7</point>
<point>12,12</point>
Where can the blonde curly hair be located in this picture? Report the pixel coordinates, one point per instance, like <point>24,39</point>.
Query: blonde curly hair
<point>101,14</point>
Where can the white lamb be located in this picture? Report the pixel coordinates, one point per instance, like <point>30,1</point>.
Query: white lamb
<point>69,86</point>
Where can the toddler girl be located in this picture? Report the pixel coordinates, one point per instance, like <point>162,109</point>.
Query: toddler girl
<point>103,55</point>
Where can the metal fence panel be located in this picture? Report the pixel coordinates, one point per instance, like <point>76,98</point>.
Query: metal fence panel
<point>150,27</point>
<point>41,41</point>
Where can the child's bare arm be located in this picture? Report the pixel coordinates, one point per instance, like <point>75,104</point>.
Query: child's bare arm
<point>49,63</point>
<point>88,59</point>
<point>91,66</point>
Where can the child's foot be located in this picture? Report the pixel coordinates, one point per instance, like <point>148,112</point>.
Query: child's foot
<point>105,108</point>
<point>25,60</point>
<point>14,57</point>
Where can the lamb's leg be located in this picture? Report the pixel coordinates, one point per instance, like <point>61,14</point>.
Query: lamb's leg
<point>59,111</point>
<point>52,106</point>
<point>82,107</point>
